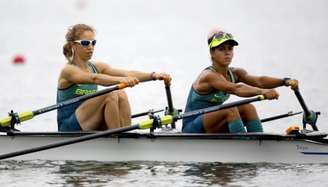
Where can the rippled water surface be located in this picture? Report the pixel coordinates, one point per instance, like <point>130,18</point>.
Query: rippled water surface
<point>67,173</point>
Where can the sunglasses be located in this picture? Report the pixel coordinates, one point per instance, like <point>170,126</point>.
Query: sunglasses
<point>219,36</point>
<point>86,43</point>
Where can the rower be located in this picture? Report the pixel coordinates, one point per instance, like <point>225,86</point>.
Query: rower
<point>80,76</point>
<point>214,85</point>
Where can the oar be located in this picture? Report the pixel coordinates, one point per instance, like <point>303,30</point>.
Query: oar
<point>24,116</point>
<point>142,125</point>
<point>146,124</point>
<point>170,103</point>
<point>220,107</point>
<point>146,113</point>
<point>289,114</point>
<point>309,117</point>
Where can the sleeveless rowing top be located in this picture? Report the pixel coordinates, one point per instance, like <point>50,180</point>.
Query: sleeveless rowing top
<point>77,90</point>
<point>73,91</point>
<point>215,97</point>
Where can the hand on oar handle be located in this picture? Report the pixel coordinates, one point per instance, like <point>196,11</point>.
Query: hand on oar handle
<point>129,81</point>
<point>293,83</point>
<point>270,94</point>
<point>162,76</point>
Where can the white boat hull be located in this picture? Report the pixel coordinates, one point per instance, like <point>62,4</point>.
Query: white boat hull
<point>173,148</point>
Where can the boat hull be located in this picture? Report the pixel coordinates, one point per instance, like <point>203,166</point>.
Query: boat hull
<point>172,148</point>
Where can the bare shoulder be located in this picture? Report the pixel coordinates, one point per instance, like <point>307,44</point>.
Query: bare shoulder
<point>64,73</point>
<point>239,72</point>
<point>101,66</point>
<point>208,76</point>
<point>68,68</point>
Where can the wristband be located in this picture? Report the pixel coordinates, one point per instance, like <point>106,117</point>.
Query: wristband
<point>152,76</point>
<point>285,81</point>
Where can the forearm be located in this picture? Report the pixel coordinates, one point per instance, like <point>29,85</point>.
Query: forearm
<point>141,76</point>
<point>243,90</point>
<point>270,82</point>
<point>106,80</point>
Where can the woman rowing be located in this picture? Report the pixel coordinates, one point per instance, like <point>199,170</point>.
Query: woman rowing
<point>215,84</point>
<point>80,76</point>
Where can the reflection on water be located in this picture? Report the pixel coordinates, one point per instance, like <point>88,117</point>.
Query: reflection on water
<point>74,173</point>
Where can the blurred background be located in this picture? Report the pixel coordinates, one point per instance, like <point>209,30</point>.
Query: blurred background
<point>282,38</point>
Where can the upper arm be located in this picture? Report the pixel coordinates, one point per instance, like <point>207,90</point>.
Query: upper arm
<point>243,76</point>
<point>218,82</point>
<point>75,75</point>
<point>108,70</point>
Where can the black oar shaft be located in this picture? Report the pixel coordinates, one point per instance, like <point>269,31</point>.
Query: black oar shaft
<point>302,102</point>
<point>17,118</point>
<point>169,98</point>
<point>70,141</point>
<point>79,99</point>
<point>220,107</point>
<point>146,113</point>
<point>169,102</point>
<point>280,116</point>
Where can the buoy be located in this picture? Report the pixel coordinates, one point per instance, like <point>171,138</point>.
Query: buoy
<point>19,59</point>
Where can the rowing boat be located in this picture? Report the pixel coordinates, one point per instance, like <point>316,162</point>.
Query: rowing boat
<point>174,147</point>
<point>125,144</point>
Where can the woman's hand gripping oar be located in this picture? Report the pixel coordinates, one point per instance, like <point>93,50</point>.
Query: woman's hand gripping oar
<point>309,117</point>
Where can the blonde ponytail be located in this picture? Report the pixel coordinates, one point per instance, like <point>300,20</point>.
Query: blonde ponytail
<point>73,34</point>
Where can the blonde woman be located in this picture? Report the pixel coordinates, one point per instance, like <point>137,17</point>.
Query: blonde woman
<point>81,76</point>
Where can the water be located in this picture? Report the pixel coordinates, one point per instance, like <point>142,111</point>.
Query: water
<point>67,173</point>
<point>277,38</point>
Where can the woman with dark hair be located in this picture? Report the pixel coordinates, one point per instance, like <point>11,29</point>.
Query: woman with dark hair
<point>214,85</point>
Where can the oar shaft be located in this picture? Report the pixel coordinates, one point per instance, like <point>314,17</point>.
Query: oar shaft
<point>70,141</point>
<point>30,114</point>
<point>169,102</point>
<point>79,99</point>
<point>220,107</point>
<point>302,102</point>
<point>280,116</point>
<point>169,98</point>
<point>146,113</point>
<point>146,124</point>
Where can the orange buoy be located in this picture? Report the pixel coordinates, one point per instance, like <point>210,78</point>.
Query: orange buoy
<point>19,59</point>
